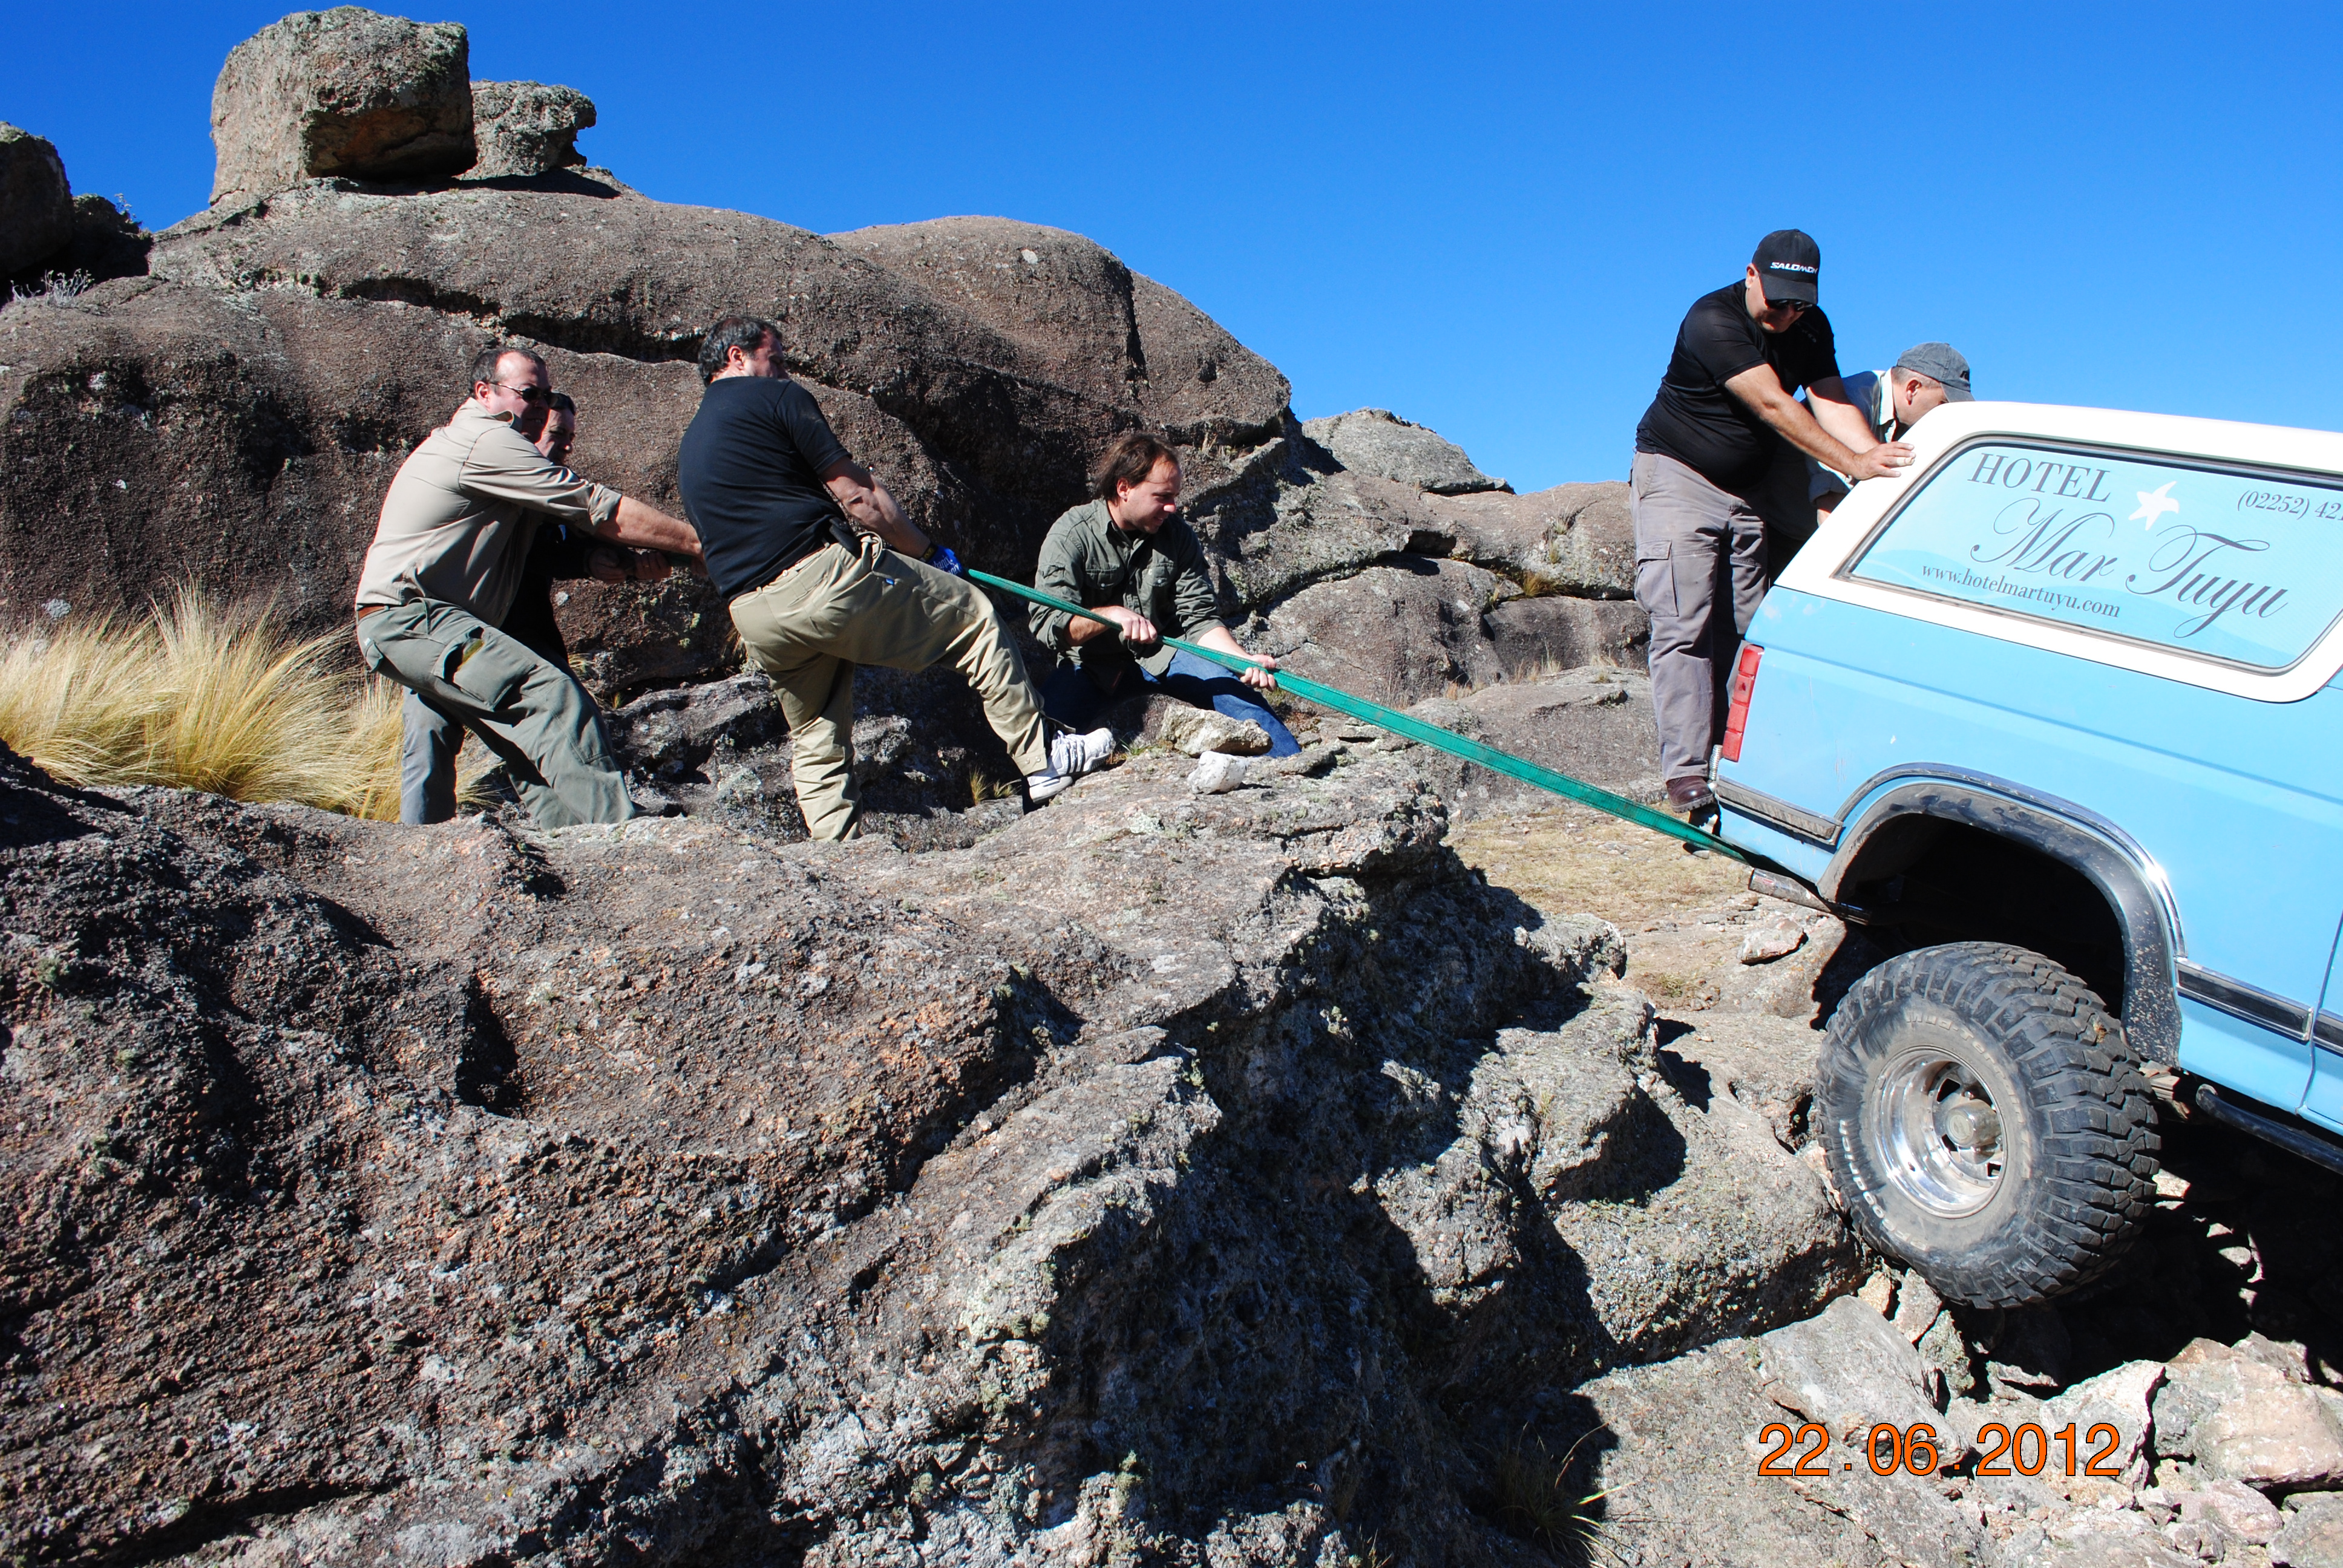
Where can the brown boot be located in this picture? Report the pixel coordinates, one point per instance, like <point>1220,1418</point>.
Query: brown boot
<point>1692,797</point>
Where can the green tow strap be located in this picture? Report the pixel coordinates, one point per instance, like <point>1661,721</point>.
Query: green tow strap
<point>1416,730</point>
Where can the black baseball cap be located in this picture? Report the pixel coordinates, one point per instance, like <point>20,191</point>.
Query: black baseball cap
<point>1788,264</point>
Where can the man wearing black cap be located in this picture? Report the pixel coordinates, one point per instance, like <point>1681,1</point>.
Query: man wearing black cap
<point>1705,453</point>
<point>1926,376</point>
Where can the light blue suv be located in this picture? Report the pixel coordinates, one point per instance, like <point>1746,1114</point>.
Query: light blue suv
<point>2057,718</point>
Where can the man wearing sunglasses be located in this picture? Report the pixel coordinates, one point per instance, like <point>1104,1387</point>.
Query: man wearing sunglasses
<point>447,561</point>
<point>1718,450</point>
<point>559,553</point>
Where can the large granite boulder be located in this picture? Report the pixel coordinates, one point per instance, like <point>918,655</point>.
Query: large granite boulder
<point>1276,526</point>
<point>155,432</point>
<point>244,409</point>
<point>1393,633</point>
<point>1552,632</point>
<point>1592,723</point>
<point>343,92</point>
<point>527,128</point>
<point>1574,539</point>
<point>1411,627</point>
<point>1014,389</point>
<point>1378,441</point>
<point>36,209</point>
<point>236,415</point>
<point>107,242</point>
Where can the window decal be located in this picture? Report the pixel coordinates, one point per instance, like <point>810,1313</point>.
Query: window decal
<point>2242,567</point>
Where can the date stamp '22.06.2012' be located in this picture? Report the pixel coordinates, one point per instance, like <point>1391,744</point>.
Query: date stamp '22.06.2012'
<point>2025,1450</point>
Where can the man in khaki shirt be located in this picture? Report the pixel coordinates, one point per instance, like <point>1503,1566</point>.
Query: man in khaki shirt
<point>446,561</point>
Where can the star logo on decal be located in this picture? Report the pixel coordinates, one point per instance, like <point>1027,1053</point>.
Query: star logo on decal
<point>2154,504</point>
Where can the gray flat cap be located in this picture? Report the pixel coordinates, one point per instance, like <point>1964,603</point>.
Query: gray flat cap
<point>1940,362</point>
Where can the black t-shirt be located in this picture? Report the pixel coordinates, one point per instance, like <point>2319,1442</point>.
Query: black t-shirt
<point>559,553</point>
<point>1696,421</point>
<point>750,473</point>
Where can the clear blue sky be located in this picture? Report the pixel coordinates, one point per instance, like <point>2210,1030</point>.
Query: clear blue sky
<point>1489,219</point>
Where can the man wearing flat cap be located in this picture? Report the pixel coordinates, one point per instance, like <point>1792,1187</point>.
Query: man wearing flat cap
<point>1706,455</point>
<point>1927,375</point>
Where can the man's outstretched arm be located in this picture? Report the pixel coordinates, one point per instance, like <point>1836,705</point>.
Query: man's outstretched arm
<point>507,467</point>
<point>1762,390</point>
<point>869,508</point>
<point>648,529</point>
<point>1838,415</point>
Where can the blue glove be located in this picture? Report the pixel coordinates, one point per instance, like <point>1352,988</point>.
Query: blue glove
<point>944,560</point>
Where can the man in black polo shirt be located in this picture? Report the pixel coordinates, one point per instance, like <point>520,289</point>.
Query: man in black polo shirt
<point>769,490</point>
<point>1706,453</point>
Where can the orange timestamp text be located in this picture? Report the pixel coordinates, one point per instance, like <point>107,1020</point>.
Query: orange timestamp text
<point>1917,1450</point>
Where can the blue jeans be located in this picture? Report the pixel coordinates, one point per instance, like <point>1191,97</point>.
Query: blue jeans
<point>1074,698</point>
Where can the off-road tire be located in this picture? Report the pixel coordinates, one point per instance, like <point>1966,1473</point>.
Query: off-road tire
<point>2078,1142</point>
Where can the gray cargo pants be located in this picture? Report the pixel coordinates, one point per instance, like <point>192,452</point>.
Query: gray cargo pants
<point>534,717</point>
<point>428,741</point>
<point>1700,571</point>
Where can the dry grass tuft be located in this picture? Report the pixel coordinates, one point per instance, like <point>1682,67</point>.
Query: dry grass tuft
<point>202,698</point>
<point>983,787</point>
<point>76,700</point>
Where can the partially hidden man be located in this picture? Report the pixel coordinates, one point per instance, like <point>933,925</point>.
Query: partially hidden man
<point>1126,554</point>
<point>446,563</point>
<point>559,553</point>
<point>1925,375</point>
<point>823,572</point>
<point>1720,437</point>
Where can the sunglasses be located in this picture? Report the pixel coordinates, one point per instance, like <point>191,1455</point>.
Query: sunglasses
<point>532,396</point>
<point>1800,307</point>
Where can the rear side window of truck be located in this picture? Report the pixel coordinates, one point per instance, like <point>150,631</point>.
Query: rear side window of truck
<point>2231,565</point>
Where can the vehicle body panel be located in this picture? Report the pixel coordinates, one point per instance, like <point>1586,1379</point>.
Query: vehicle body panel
<point>2324,1103</point>
<point>2225,783</point>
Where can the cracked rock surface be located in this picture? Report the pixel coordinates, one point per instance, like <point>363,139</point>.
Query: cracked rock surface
<point>1160,1178</point>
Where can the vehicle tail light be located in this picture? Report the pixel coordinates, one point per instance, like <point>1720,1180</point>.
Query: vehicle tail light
<point>1744,683</point>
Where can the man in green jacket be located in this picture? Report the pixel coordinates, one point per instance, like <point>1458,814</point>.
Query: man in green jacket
<point>1126,555</point>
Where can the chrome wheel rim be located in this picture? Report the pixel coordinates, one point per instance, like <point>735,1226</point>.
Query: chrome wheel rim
<point>1937,1132</point>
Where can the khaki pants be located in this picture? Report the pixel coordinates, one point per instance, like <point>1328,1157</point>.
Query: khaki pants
<point>808,628</point>
<point>1700,571</point>
<point>535,717</point>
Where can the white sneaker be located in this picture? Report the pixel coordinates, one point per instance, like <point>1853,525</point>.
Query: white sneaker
<point>1075,755</point>
<point>1070,756</point>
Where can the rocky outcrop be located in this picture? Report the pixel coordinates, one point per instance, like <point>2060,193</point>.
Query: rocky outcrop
<point>153,426</point>
<point>107,242</point>
<point>1415,628</point>
<point>1849,1369</point>
<point>35,203</point>
<point>1172,1175</point>
<point>1391,634</point>
<point>296,352</point>
<point>234,405</point>
<point>1575,539</point>
<point>526,128</point>
<point>1378,441</point>
<point>52,244</point>
<point>342,91</point>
